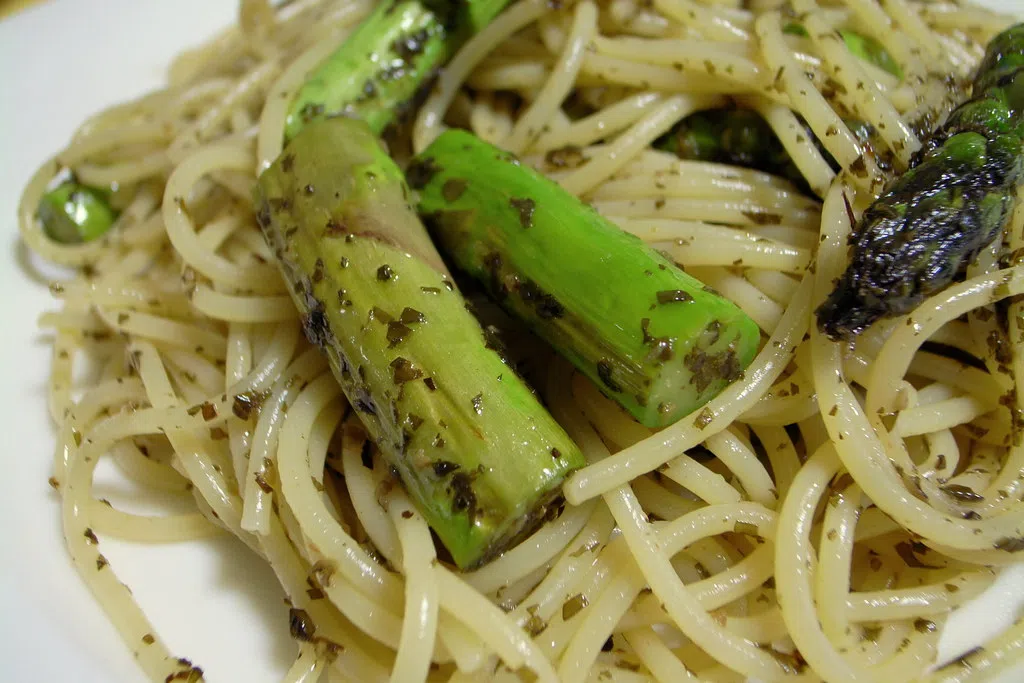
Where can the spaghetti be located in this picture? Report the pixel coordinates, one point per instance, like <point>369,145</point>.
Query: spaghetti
<point>818,519</point>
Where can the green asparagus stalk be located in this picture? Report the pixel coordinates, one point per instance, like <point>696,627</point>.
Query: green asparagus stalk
<point>741,137</point>
<point>73,213</point>
<point>379,71</point>
<point>478,453</point>
<point>932,222</point>
<point>652,337</point>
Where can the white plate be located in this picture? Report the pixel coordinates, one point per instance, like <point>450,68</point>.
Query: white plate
<point>214,601</point>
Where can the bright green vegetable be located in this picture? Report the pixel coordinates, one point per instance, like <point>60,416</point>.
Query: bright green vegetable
<point>652,337</point>
<point>478,453</point>
<point>862,47</point>
<point>380,69</point>
<point>73,213</point>
<point>871,51</point>
<point>932,222</point>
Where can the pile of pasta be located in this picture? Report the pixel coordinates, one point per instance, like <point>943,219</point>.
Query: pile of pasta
<point>818,519</point>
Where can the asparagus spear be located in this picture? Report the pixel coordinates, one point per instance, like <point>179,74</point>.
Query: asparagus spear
<point>73,213</point>
<point>649,335</point>
<point>380,69</point>
<point>741,137</point>
<point>932,222</point>
<point>476,450</point>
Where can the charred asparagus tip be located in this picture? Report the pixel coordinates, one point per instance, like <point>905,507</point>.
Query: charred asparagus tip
<point>931,222</point>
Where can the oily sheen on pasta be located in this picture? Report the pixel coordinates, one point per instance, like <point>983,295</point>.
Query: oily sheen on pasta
<point>818,519</point>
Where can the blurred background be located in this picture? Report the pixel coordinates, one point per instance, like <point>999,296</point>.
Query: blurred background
<point>8,7</point>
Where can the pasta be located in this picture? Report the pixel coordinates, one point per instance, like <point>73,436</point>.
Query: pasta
<point>818,519</point>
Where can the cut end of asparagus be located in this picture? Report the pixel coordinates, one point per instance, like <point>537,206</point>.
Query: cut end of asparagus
<point>650,336</point>
<point>482,459</point>
<point>72,213</point>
